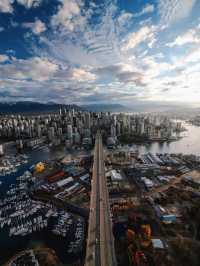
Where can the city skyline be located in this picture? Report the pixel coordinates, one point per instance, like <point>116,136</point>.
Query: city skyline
<point>71,178</point>
<point>76,51</point>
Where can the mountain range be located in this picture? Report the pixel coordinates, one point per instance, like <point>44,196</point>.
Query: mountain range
<point>30,107</point>
<point>51,107</point>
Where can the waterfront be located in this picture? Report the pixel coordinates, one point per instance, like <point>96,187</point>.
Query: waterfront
<point>188,144</point>
<point>35,156</point>
<point>9,245</point>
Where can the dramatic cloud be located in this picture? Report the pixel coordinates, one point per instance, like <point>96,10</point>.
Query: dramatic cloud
<point>80,51</point>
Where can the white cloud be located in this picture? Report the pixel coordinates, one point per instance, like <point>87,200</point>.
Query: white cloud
<point>112,59</point>
<point>38,69</point>
<point>134,39</point>
<point>92,44</point>
<point>153,68</point>
<point>173,10</point>
<point>3,58</point>
<point>185,84</point>
<point>149,8</point>
<point>30,3</point>
<point>124,18</point>
<point>192,56</point>
<point>81,75</point>
<point>190,37</point>
<point>37,27</point>
<point>68,15</point>
<point>6,6</point>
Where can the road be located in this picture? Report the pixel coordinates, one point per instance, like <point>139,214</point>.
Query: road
<point>173,182</point>
<point>100,244</point>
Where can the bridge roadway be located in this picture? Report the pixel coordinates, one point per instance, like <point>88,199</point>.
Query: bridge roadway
<point>100,244</point>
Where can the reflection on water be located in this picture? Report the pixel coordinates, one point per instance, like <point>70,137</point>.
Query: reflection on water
<point>189,144</point>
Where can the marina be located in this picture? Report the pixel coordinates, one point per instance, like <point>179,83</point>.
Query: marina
<point>22,218</point>
<point>10,164</point>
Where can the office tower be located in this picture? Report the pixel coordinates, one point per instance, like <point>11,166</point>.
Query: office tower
<point>69,132</point>
<point>1,150</point>
<point>113,131</point>
<point>87,120</point>
<point>51,133</point>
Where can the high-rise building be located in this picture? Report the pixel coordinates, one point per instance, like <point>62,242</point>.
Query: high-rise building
<point>51,133</point>
<point>1,150</point>
<point>87,120</point>
<point>69,132</point>
<point>113,131</point>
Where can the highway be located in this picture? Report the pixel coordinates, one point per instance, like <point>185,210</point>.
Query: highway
<point>100,243</point>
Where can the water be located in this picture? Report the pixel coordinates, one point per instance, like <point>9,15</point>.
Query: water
<point>35,156</point>
<point>14,244</point>
<point>189,144</point>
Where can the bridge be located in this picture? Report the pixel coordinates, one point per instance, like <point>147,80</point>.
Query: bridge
<point>100,243</point>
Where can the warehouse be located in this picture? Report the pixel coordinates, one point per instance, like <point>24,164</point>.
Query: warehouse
<point>115,176</point>
<point>64,182</point>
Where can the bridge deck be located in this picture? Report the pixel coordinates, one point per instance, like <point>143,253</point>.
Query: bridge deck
<point>100,244</point>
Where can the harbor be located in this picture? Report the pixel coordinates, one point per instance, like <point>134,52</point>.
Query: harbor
<point>10,164</point>
<point>187,144</point>
<point>23,219</point>
<point>26,222</point>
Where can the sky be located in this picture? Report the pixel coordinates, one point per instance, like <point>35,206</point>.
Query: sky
<point>100,51</point>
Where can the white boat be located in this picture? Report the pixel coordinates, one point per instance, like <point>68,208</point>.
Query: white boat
<point>21,231</point>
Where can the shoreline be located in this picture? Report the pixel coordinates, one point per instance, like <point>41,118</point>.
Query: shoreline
<point>150,141</point>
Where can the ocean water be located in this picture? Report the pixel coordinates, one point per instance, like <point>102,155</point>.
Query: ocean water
<point>189,144</point>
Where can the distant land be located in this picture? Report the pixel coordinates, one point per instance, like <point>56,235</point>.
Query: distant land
<point>36,107</point>
<point>105,108</point>
<point>31,107</point>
